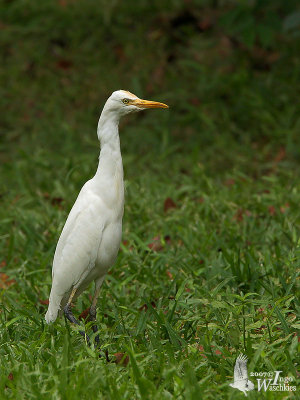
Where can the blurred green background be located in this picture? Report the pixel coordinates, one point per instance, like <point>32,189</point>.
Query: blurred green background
<point>228,69</point>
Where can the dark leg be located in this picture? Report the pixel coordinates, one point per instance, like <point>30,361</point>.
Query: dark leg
<point>69,315</point>
<point>93,309</point>
<point>94,326</point>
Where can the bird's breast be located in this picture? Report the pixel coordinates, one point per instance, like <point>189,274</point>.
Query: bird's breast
<point>110,185</point>
<point>109,246</point>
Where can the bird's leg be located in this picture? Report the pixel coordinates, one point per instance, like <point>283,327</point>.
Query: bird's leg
<point>69,315</point>
<point>93,310</point>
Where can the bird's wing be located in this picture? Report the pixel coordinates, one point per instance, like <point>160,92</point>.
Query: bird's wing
<point>79,242</point>
<point>240,370</point>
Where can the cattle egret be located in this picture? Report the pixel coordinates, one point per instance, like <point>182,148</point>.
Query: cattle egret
<point>240,379</point>
<point>90,240</point>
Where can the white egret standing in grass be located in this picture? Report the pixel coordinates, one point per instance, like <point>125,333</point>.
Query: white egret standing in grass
<point>90,240</point>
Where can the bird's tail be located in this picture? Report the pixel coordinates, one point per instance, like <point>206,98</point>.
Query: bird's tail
<point>54,307</point>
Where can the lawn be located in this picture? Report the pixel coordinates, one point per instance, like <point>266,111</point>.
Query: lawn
<point>209,264</point>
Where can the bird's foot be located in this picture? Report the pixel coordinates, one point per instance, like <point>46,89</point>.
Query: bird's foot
<point>69,315</point>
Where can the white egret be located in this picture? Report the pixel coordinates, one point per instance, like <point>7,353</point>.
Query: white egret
<point>90,240</point>
<point>240,379</point>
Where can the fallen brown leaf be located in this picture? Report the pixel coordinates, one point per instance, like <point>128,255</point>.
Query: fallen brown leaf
<point>126,244</point>
<point>239,215</point>
<point>145,306</point>
<point>167,239</point>
<point>122,359</point>
<point>280,155</point>
<point>205,23</point>
<point>56,200</point>
<point>201,351</point>
<point>44,302</point>
<point>260,330</point>
<point>120,53</point>
<point>265,57</point>
<point>156,244</point>
<point>195,101</point>
<point>272,210</point>
<point>229,182</point>
<point>169,204</point>
<point>64,64</point>
<point>284,208</point>
<point>83,316</point>
<point>63,3</point>
<point>169,275</point>
<point>225,46</point>
<point>3,26</point>
<point>5,281</point>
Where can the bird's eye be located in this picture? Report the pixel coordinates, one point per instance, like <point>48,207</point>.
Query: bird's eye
<point>125,101</point>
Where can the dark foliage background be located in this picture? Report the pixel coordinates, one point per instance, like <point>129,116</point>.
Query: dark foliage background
<point>228,69</point>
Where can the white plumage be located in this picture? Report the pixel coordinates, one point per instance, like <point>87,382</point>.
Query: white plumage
<point>90,240</point>
<point>240,379</point>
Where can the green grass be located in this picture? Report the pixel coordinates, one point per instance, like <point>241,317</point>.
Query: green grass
<point>225,278</point>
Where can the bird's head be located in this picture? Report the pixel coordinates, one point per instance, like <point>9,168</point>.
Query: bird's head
<point>122,102</point>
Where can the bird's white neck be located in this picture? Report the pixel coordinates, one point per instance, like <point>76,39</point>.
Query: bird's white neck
<point>108,127</point>
<point>110,159</point>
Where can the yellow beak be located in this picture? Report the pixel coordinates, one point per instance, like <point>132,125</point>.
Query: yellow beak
<point>148,104</point>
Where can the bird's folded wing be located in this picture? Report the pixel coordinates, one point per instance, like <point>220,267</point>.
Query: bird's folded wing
<point>79,242</point>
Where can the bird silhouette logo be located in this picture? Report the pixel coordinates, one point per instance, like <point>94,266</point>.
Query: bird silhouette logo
<point>241,380</point>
